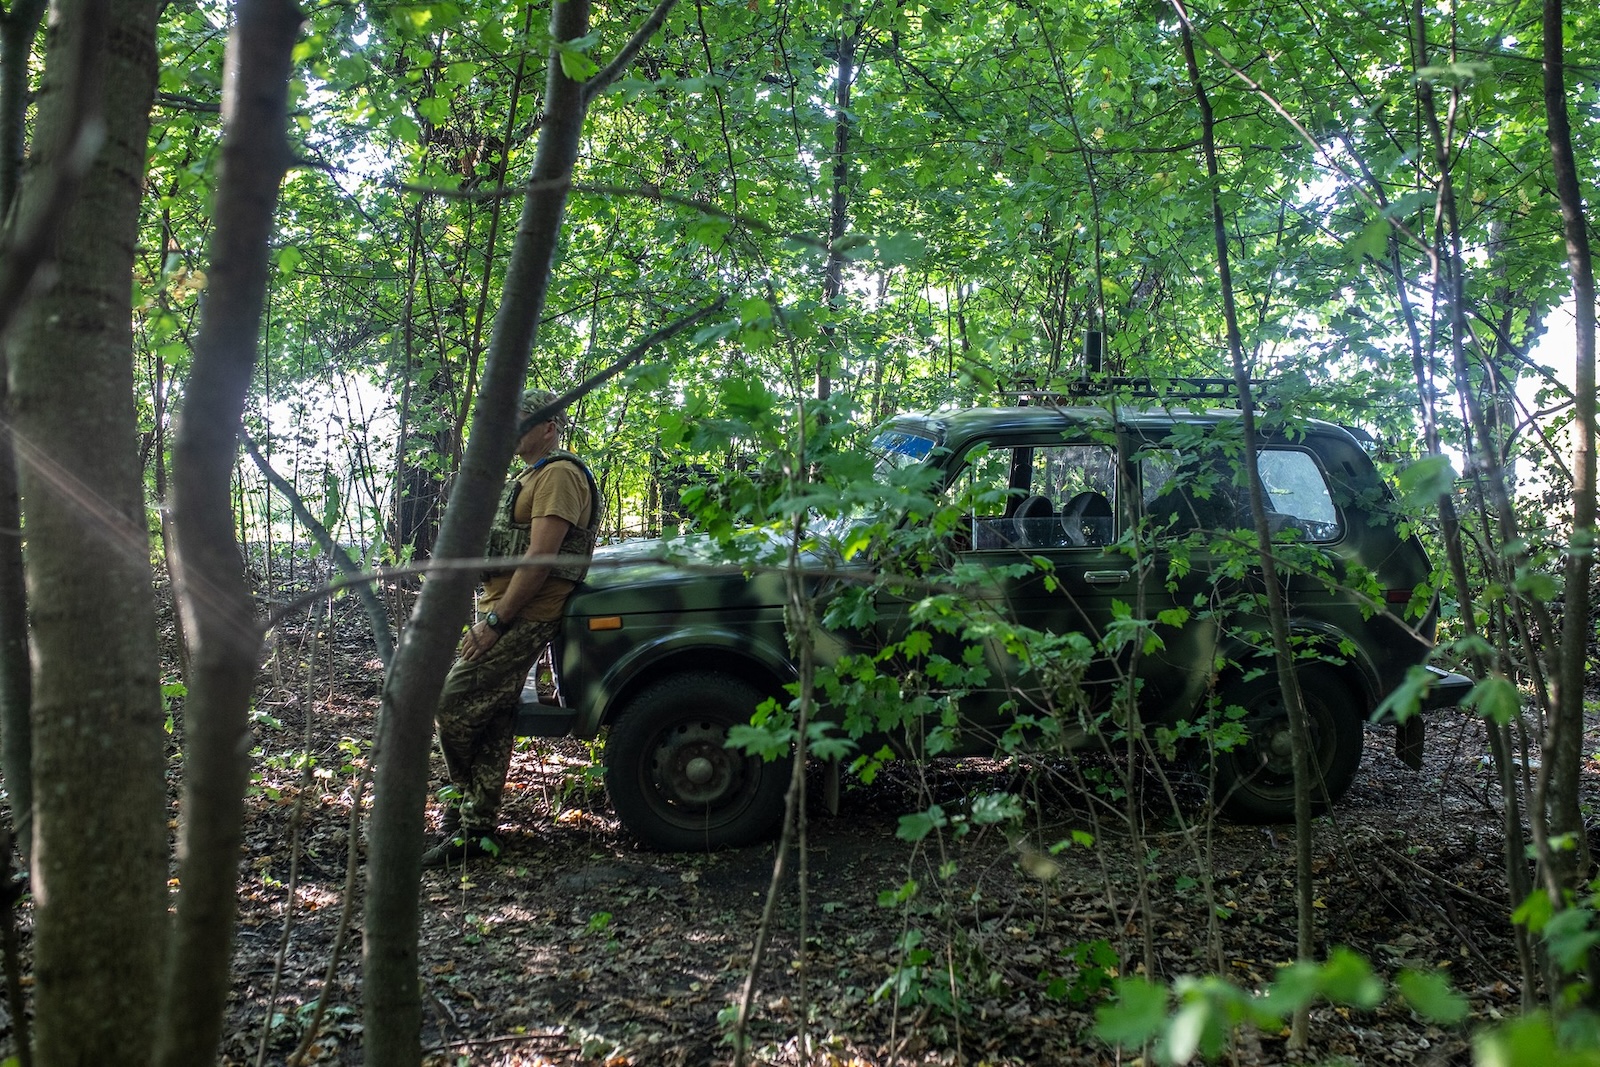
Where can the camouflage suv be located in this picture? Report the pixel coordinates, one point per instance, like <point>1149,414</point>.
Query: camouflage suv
<point>1120,512</point>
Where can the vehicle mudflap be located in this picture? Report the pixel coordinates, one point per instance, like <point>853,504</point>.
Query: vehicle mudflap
<point>831,787</point>
<point>1408,741</point>
<point>535,719</point>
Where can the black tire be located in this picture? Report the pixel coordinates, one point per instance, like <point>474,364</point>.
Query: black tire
<point>671,780</point>
<point>1255,780</point>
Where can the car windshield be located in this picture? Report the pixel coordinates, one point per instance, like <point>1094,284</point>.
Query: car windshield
<point>893,451</point>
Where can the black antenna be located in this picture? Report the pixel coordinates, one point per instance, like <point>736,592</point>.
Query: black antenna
<point>1093,348</point>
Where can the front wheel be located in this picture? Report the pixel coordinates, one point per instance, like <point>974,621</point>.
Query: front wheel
<point>672,781</point>
<point>1255,779</point>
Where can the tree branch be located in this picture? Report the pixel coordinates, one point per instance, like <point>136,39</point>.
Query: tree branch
<point>382,632</point>
<point>633,356</point>
<point>624,59</point>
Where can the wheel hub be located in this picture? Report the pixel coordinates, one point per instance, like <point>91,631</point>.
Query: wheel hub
<point>693,768</point>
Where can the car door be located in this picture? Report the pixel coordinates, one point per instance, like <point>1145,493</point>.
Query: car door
<point>1198,534</point>
<point>1046,514</point>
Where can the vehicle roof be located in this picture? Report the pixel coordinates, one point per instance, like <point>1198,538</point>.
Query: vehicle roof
<point>954,426</point>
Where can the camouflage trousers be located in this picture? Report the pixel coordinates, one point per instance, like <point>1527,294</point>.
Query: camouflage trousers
<point>477,712</point>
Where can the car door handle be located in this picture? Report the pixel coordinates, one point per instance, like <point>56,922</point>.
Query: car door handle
<point>1106,577</point>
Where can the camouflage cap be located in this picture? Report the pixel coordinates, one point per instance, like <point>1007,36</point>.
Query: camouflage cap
<point>534,400</point>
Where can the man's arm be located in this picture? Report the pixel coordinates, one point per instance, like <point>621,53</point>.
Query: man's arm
<point>544,539</point>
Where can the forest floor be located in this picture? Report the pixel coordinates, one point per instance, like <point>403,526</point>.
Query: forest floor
<point>578,947</point>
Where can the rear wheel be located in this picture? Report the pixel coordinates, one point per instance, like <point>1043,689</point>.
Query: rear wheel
<point>1255,779</point>
<point>672,781</point>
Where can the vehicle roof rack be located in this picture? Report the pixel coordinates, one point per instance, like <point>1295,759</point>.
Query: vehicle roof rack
<point>1174,388</point>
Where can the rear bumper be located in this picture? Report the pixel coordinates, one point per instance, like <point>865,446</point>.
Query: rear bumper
<point>1446,690</point>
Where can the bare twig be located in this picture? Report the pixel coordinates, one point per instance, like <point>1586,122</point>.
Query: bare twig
<point>490,1042</point>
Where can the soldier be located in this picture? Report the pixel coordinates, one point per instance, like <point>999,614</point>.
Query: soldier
<point>551,508</point>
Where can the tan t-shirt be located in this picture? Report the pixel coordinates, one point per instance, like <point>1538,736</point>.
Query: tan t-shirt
<point>558,488</point>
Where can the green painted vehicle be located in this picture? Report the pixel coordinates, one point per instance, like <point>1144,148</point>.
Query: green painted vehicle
<point>1126,506</point>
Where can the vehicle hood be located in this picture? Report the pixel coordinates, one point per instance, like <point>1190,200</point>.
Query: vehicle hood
<point>689,574</point>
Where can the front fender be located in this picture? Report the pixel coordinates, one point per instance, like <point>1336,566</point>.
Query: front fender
<point>627,663</point>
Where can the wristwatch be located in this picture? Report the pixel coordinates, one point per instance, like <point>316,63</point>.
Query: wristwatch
<point>496,623</point>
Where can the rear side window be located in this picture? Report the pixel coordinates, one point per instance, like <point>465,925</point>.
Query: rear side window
<point>1298,496</point>
<point>1183,493</point>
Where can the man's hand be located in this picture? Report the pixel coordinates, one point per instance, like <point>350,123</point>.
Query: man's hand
<point>478,641</point>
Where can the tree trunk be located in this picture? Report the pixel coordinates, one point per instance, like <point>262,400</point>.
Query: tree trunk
<point>838,211</point>
<point>418,491</point>
<point>1277,611</point>
<point>393,1006</point>
<point>219,613</point>
<point>100,845</point>
<point>18,28</point>
<point>1563,744</point>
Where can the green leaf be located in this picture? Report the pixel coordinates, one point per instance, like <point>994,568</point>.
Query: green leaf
<point>996,808</point>
<point>1173,616</point>
<point>1426,480</point>
<point>1406,698</point>
<point>1293,987</point>
<point>1537,584</point>
<point>1534,912</point>
<point>576,65</point>
<point>900,248</point>
<point>404,128</point>
<point>1429,992</point>
<point>1570,934</point>
<point>1347,978</point>
<point>1494,698</point>
<point>920,824</point>
<point>289,258</point>
<point>1136,1015</point>
<point>1529,1042</point>
<point>1371,243</point>
<point>755,311</point>
<point>435,109</point>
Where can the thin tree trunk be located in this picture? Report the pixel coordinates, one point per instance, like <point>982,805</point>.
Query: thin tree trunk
<point>382,632</point>
<point>18,28</point>
<point>99,861</point>
<point>1277,611</point>
<point>1448,282</point>
<point>219,613</point>
<point>1563,744</point>
<point>391,992</point>
<point>392,998</point>
<point>838,205</point>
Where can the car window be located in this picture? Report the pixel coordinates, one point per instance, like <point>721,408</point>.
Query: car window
<point>1297,495</point>
<point>1183,492</point>
<point>1041,496</point>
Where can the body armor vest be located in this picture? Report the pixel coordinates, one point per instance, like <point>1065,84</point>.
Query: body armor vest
<point>508,537</point>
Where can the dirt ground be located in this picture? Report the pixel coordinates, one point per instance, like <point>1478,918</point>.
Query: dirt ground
<point>578,947</point>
